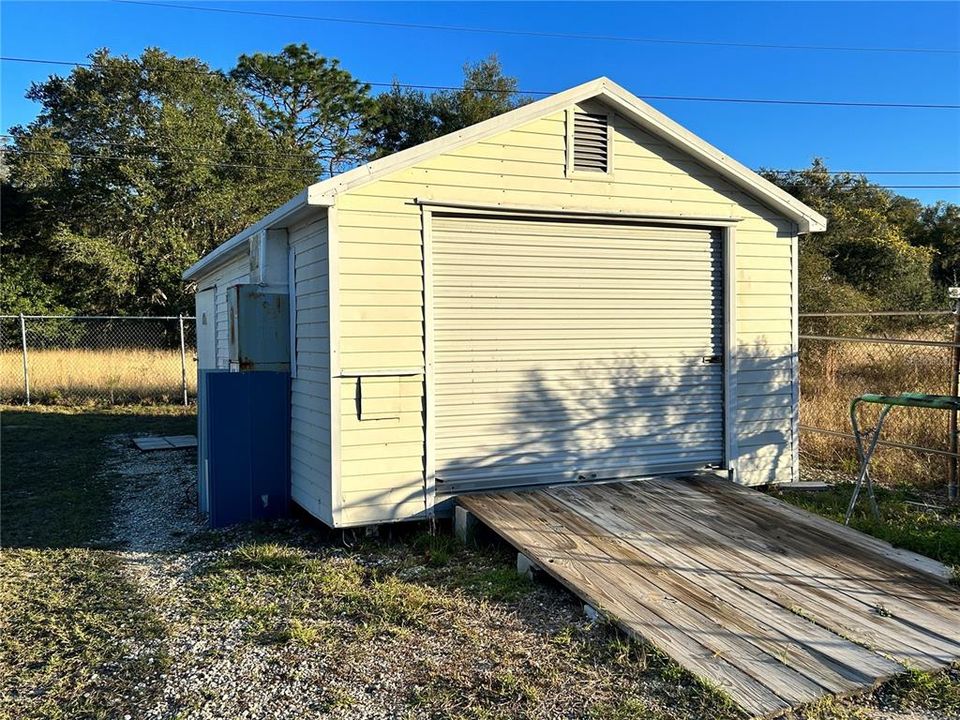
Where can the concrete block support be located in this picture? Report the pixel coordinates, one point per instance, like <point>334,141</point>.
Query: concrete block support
<point>465,524</point>
<point>590,612</point>
<point>528,568</point>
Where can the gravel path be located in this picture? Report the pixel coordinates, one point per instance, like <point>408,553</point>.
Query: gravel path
<point>217,672</point>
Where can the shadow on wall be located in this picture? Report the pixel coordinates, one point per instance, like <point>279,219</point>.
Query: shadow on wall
<point>632,414</point>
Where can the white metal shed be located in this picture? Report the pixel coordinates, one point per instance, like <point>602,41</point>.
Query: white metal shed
<point>579,289</point>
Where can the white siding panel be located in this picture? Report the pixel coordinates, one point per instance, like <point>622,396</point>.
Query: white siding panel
<point>310,389</point>
<point>224,277</point>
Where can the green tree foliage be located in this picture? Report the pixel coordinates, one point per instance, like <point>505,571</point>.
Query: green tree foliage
<point>878,249</point>
<point>308,104</point>
<point>132,170</point>
<point>938,226</point>
<point>402,118</point>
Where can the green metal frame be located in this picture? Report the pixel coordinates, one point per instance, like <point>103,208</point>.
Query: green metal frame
<point>916,400</point>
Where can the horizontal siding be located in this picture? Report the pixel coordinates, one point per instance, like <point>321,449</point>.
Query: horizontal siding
<point>232,273</point>
<point>381,274</point>
<point>310,390</point>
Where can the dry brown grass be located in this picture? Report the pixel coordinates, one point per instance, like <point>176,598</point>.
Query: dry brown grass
<point>105,376</point>
<point>831,375</point>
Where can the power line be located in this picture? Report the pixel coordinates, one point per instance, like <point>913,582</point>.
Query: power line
<point>682,98</point>
<point>545,34</point>
<point>123,158</point>
<point>276,168</point>
<point>199,149</point>
<point>6,137</point>
<point>869,172</point>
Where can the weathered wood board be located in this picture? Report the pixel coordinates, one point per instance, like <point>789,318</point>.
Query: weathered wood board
<point>775,606</point>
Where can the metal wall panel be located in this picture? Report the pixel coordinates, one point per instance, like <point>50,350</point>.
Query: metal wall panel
<point>568,349</point>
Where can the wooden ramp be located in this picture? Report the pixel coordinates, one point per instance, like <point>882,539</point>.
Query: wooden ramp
<point>774,605</point>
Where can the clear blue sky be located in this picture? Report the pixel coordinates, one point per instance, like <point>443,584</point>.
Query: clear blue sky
<point>757,135</point>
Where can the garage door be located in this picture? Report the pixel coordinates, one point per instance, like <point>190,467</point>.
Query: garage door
<point>567,350</point>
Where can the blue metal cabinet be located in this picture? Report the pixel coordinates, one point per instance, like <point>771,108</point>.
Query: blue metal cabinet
<point>244,448</point>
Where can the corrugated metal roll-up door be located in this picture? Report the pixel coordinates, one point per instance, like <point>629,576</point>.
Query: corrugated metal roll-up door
<point>574,350</point>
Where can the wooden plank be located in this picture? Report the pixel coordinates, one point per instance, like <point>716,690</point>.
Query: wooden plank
<point>914,561</point>
<point>797,589</point>
<point>844,546</point>
<point>597,579</point>
<point>913,597</point>
<point>835,663</point>
<point>667,524</point>
<point>152,442</point>
<point>698,590</point>
<point>687,607</point>
<point>846,595</point>
<point>772,608</point>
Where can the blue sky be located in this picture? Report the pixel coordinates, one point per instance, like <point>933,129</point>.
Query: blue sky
<point>757,135</point>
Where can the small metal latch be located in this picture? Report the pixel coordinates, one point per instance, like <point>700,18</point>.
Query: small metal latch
<point>711,359</point>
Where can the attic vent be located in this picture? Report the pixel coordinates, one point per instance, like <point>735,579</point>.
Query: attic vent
<point>590,143</point>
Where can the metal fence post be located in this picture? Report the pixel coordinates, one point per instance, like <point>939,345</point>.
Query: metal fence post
<point>954,461</point>
<point>26,366</point>
<point>183,361</point>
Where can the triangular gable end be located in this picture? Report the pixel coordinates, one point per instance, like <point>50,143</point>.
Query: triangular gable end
<point>619,100</point>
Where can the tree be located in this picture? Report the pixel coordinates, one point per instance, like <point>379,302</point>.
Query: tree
<point>398,119</point>
<point>865,257</point>
<point>938,227</point>
<point>131,171</point>
<point>402,118</point>
<point>486,93</point>
<point>308,103</point>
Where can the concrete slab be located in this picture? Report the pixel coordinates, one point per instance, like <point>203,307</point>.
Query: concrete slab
<point>150,443</point>
<point>182,441</point>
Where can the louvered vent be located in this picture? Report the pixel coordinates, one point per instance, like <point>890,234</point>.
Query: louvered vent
<point>590,142</point>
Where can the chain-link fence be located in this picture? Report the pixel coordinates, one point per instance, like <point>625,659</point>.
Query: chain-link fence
<point>59,359</point>
<point>843,355</point>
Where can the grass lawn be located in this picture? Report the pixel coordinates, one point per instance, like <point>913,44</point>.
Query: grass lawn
<point>69,615</point>
<point>54,493</point>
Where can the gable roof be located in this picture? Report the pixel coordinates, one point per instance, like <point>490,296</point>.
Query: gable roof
<point>620,100</point>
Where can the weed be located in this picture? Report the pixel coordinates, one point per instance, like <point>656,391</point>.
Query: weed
<point>436,549</point>
<point>627,709</point>
<point>918,690</point>
<point>276,588</point>
<point>831,374</point>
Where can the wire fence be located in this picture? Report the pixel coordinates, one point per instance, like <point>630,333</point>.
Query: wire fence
<point>127,360</point>
<point>97,360</point>
<point>843,355</point>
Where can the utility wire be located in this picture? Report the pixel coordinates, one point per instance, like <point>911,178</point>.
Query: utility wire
<point>198,149</point>
<point>683,98</point>
<point>280,168</point>
<point>123,158</point>
<point>544,34</point>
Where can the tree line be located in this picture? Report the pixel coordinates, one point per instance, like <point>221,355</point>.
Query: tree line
<point>136,167</point>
